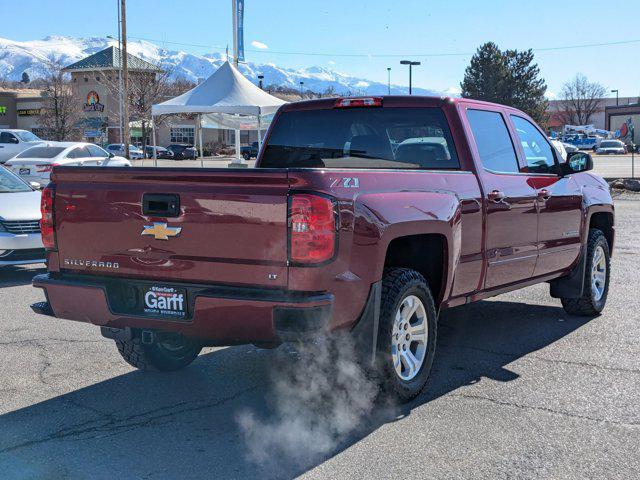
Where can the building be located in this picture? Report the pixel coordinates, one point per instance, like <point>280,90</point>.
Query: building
<point>20,108</point>
<point>598,119</point>
<point>615,117</point>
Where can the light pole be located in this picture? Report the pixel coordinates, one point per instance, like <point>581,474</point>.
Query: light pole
<point>389,80</point>
<point>616,92</point>
<point>411,64</point>
<point>260,78</point>
<point>301,85</point>
<point>120,89</point>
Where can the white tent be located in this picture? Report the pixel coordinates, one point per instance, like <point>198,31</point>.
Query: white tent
<point>227,95</point>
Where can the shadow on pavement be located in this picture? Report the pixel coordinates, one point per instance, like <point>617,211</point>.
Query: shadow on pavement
<point>17,276</point>
<point>184,425</point>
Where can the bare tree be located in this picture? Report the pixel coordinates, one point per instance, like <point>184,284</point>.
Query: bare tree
<point>580,99</point>
<point>60,112</point>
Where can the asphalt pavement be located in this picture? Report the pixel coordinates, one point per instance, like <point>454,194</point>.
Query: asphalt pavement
<point>519,389</point>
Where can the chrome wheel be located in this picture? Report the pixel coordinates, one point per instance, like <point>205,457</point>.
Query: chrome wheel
<point>409,338</point>
<point>598,273</point>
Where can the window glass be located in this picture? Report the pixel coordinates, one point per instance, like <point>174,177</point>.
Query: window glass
<point>493,141</point>
<point>6,137</point>
<point>95,151</point>
<point>27,136</point>
<point>10,183</point>
<point>41,152</point>
<point>79,152</point>
<point>182,135</point>
<point>537,151</point>
<point>411,138</point>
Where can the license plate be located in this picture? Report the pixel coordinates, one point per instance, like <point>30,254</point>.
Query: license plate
<point>24,171</point>
<point>164,302</point>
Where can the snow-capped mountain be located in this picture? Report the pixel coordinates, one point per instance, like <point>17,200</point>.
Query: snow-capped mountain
<point>32,56</point>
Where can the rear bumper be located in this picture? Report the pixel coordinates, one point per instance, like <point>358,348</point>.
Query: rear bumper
<point>219,315</point>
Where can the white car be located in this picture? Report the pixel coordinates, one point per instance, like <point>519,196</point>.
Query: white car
<point>118,149</point>
<point>36,163</point>
<point>20,240</point>
<point>560,147</point>
<point>14,141</point>
<point>611,147</point>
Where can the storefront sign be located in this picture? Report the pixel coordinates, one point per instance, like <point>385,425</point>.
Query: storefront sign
<point>28,112</point>
<point>92,133</point>
<point>3,111</point>
<point>93,102</point>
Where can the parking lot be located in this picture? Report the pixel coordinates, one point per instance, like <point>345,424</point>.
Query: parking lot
<point>520,389</point>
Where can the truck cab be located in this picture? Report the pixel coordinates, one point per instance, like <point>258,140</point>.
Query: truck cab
<point>13,141</point>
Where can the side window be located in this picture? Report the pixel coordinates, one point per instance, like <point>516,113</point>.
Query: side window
<point>96,152</point>
<point>493,141</point>
<point>79,152</point>
<point>537,150</point>
<point>6,137</point>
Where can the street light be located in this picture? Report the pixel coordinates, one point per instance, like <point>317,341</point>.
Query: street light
<point>411,64</point>
<point>301,84</point>
<point>389,80</point>
<point>616,92</point>
<point>120,89</point>
<point>260,78</point>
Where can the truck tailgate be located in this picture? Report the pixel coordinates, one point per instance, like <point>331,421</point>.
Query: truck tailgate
<point>233,224</point>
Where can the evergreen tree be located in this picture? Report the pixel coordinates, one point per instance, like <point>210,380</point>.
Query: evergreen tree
<point>25,78</point>
<point>507,77</point>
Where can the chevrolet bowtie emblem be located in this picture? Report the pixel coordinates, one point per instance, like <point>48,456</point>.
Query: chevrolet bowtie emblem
<point>161,231</point>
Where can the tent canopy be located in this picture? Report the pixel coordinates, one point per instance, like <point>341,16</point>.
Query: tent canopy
<point>226,91</point>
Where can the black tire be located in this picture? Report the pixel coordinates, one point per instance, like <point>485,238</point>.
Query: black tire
<point>589,305</point>
<point>398,284</point>
<point>246,156</point>
<point>159,356</point>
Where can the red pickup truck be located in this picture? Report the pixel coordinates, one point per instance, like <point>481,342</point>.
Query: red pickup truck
<point>363,215</point>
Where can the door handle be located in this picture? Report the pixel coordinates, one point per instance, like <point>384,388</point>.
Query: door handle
<point>544,194</point>
<point>496,196</point>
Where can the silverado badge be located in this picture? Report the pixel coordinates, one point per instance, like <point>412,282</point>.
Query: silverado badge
<point>161,231</point>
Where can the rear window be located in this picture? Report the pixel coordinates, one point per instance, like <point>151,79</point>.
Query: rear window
<point>40,152</point>
<point>611,144</point>
<point>412,138</point>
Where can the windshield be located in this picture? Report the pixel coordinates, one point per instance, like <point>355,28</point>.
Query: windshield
<point>410,138</point>
<point>27,137</point>
<point>9,183</point>
<point>611,144</point>
<point>40,152</point>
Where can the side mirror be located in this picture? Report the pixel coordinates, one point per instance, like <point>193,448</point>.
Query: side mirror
<point>111,155</point>
<point>577,162</point>
<point>35,185</point>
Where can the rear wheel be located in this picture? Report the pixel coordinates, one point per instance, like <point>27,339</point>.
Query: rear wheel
<point>596,279</point>
<point>407,335</point>
<point>170,354</point>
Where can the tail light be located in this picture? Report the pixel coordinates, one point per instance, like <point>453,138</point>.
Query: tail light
<point>45,167</point>
<point>312,228</point>
<point>358,102</point>
<point>47,224</point>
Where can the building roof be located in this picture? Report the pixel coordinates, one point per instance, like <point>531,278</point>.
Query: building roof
<point>110,59</point>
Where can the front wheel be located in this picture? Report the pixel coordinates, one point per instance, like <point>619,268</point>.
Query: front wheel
<point>596,279</point>
<point>407,335</point>
<point>169,354</point>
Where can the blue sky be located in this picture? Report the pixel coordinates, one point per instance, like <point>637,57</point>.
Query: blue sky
<point>368,29</point>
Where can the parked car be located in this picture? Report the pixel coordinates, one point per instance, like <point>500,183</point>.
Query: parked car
<point>249,151</point>
<point>334,231</point>
<point>36,163</point>
<point>183,151</point>
<point>118,149</point>
<point>14,141</point>
<point>20,239</point>
<point>560,147</point>
<point>611,147</point>
<point>161,152</point>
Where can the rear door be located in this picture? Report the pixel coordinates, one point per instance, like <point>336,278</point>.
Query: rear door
<point>510,202</point>
<point>228,227</point>
<point>559,200</point>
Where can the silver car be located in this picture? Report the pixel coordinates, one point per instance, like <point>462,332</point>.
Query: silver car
<point>611,147</point>
<point>20,240</point>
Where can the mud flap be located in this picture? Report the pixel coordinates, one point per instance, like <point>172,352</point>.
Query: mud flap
<point>572,285</point>
<point>365,332</point>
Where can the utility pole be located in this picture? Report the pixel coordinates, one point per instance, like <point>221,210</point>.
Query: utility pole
<point>125,78</point>
<point>389,80</point>
<point>616,92</point>
<point>234,9</point>
<point>411,64</point>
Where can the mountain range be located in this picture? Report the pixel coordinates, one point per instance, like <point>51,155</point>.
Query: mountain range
<point>32,57</point>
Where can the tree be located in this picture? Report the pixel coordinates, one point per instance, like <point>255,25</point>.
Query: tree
<point>579,99</point>
<point>507,77</point>
<point>60,111</point>
<point>25,78</point>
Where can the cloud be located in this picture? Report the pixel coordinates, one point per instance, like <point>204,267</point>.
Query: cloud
<point>453,91</point>
<point>331,62</point>
<point>259,45</point>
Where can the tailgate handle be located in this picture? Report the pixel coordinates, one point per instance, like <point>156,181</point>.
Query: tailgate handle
<point>161,205</point>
